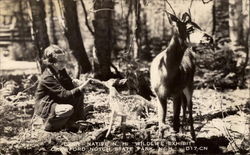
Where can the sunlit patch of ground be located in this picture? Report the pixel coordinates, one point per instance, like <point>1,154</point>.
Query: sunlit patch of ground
<point>221,124</point>
<point>8,66</point>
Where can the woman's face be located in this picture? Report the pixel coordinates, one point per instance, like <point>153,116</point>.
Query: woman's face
<point>61,61</point>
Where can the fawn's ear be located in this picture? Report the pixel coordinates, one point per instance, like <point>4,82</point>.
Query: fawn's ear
<point>122,81</point>
<point>172,18</point>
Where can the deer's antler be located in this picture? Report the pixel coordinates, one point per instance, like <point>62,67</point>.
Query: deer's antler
<point>170,7</point>
<point>189,9</point>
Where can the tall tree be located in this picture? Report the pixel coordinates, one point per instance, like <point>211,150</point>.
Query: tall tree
<point>235,22</point>
<point>39,28</point>
<point>73,34</point>
<point>103,37</point>
<point>49,8</point>
<point>128,25</point>
<point>133,20</point>
<point>21,20</point>
<point>136,28</point>
<point>220,15</point>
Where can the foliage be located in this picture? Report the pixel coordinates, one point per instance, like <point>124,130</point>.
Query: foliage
<point>220,67</point>
<point>14,84</point>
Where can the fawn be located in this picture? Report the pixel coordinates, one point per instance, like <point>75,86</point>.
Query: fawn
<point>172,71</point>
<point>125,106</point>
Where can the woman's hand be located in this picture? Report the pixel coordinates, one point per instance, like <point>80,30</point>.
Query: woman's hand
<point>81,87</point>
<point>76,82</point>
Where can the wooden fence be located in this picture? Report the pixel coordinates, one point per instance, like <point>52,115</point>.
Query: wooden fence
<point>10,32</point>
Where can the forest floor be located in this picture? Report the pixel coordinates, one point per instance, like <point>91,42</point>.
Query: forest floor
<point>221,121</point>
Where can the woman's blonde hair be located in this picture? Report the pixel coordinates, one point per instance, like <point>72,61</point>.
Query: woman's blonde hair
<point>51,52</point>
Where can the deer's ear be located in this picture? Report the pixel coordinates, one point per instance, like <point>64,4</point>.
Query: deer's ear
<point>172,18</point>
<point>186,17</point>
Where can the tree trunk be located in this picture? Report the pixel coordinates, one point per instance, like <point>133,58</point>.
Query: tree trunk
<point>145,53</point>
<point>246,41</point>
<point>103,37</point>
<point>50,21</point>
<point>221,27</point>
<point>39,28</point>
<point>128,26</point>
<point>164,23</point>
<point>235,22</point>
<point>73,34</point>
<point>136,28</point>
<point>21,27</point>
<point>214,18</point>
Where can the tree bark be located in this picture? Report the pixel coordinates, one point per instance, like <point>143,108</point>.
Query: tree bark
<point>145,53</point>
<point>246,40</point>
<point>128,26</point>
<point>136,28</point>
<point>103,37</point>
<point>49,7</point>
<point>221,27</point>
<point>235,22</point>
<point>164,23</point>
<point>22,22</point>
<point>73,34</point>
<point>39,28</point>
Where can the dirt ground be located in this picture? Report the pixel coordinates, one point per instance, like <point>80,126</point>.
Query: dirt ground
<point>221,121</point>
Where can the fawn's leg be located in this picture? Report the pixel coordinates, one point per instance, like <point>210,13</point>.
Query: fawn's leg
<point>123,126</point>
<point>112,117</point>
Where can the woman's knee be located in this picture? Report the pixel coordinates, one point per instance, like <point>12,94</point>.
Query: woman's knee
<point>64,110</point>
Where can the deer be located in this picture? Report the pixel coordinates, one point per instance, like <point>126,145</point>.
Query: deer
<point>123,106</point>
<point>172,71</point>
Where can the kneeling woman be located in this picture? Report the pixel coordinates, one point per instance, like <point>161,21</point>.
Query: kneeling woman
<point>58,102</point>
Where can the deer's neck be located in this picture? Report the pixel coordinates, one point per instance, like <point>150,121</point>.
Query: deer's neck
<point>175,52</point>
